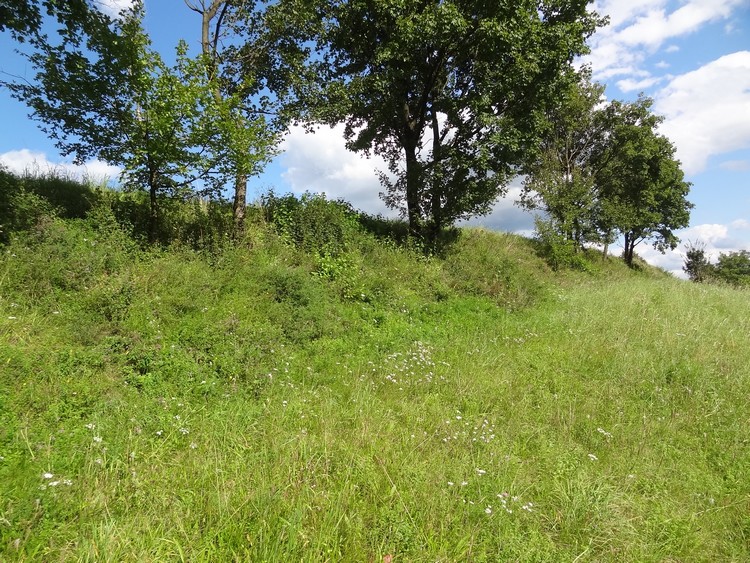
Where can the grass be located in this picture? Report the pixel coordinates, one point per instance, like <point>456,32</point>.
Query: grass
<point>267,403</point>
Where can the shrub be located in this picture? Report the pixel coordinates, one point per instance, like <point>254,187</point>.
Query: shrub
<point>311,222</point>
<point>559,251</point>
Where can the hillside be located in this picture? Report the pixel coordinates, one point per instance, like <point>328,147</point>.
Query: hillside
<point>318,391</point>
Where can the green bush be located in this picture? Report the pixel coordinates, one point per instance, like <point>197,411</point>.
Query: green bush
<point>311,222</point>
<point>559,251</point>
<point>20,208</point>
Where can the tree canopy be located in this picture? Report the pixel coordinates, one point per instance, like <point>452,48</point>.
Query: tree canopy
<point>448,92</point>
<point>102,92</point>
<point>643,191</point>
<point>604,170</point>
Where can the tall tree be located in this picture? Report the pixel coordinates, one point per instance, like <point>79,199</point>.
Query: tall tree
<point>102,92</point>
<point>233,91</point>
<point>449,92</point>
<point>560,181</point>
<point>643,191</point>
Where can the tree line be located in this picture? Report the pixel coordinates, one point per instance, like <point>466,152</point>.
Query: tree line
<point>458,96</point>
<point>731,268</point>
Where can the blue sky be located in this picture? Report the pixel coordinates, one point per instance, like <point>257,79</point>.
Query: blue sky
<point>691,56</point>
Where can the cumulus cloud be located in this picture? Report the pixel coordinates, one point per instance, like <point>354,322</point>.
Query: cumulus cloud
<point>320,163</point>
<point>630,85</point>
<point>25,161</point>
<point>639,28</point>
<point>703,118</point>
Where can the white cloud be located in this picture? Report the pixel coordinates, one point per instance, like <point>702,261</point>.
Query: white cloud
<point>714,238</point>
<point>24,160</point>
<point>321,163</point>
<point>630,85</point>
<point>707,110</point>
<point>640,27</point>
<point>113,8</point>
<point>736,165</point>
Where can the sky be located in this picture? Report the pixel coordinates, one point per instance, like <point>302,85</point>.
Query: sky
<point>691,56</point>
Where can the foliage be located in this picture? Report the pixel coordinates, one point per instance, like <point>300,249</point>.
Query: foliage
<point>102,92</point>
<point>697,266</point>
<point>447,92</point>
<point>311,222</point>
<point>644,194</point>
<point>604,170</point>
<point>561,180</point>
<point>560,251</point>
<point>733,268</point>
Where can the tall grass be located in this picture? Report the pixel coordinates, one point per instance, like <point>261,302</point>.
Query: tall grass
<point>277,401</point>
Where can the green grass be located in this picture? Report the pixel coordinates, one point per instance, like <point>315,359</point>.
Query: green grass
<point>265,403</point>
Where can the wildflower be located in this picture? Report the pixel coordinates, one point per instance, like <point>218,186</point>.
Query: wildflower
<point>592,457</point>
<point>98,439</point>
<point>159,432</point>
<point>67,482</point>
<point>464,483</point>
<point>451,483</point>
<point>193,445</point>
<point>184,431</point>
<point>481,471</point>
<point>54,483</point>
<point>91,426</point>
<point>488,510</point>
<point>47,476</point>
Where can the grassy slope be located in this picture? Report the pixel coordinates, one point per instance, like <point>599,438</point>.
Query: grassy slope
<point>261,404</point>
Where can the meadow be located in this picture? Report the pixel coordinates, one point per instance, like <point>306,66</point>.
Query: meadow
<point>320,391</point>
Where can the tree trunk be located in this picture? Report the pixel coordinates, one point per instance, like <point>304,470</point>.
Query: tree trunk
<point>240,204</point>
<point>153,212</point>
<point>413,178</point>
<point>629,249</point>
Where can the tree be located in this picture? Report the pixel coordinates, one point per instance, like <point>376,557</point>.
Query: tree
<point>696,265</point>
<point>733,268</point>
<point>102,92</point>
<point>449,92</point>
<point>643,191</point>
<point>249,139</point>
<point>561,180</point>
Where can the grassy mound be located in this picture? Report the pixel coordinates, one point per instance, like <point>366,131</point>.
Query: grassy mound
<point>319,392</point>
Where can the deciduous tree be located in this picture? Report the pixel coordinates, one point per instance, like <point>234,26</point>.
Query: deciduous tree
<point>643,191</point>
<point>449,92</point>
<point>561,181</point>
